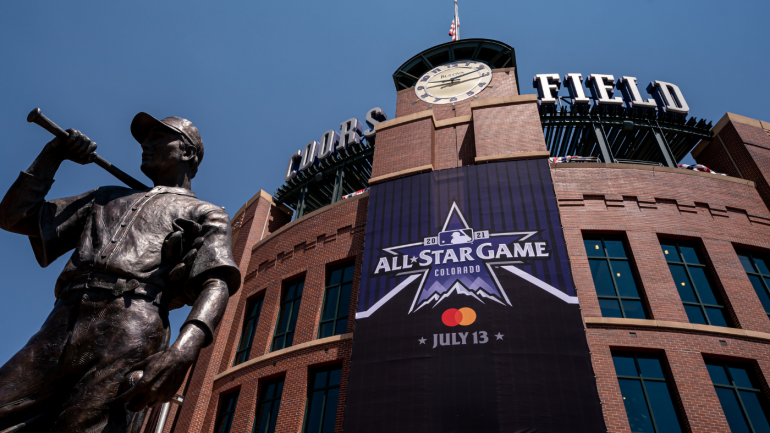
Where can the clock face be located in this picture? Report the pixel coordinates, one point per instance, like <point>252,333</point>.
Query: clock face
<point>453,82</point>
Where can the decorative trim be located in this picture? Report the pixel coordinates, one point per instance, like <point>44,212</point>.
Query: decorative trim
<point>452,121</point>
<point>503,100</point>
<point>621,166</point>
<point>286,351</point>
<point>732,117</point>
<point>304,217</point>
<point>405,119</point>
<point>645,323</point>
<point>513,156</point>
<point>402,173</point>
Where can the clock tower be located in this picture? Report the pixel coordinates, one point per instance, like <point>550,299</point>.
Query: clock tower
<point>458,104</point>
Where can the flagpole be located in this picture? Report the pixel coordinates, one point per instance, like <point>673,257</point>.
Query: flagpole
<point>457,22</point>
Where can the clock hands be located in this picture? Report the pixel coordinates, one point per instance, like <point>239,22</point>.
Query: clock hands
<point>451,84</point>
<point>454,78</point>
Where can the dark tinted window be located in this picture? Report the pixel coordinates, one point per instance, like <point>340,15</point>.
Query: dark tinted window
<point>226,411</point>
<point>742,402</point>
<point>291,295</point>
<point>323,397</point>
<point>250,321</point>
<point>755,265</point>
<point>702,302</point>
<point>268,405</point>
<point>334,313</point>
<point>646,394</point>
<point>615,283</point>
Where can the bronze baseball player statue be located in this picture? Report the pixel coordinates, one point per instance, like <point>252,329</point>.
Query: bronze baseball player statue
<point>103,352</point>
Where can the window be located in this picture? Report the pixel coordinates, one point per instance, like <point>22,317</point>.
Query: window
<point>267,409</point>
<point>646,395</point>
<point>742,402</point>
<point>227,405</point>
<point>615,283</point>
<point>323,397</point>
<point>334,314</point>
<point>250,320</point>
<point>755,265</point>
<point>701,302</point>
<point>287,317</point>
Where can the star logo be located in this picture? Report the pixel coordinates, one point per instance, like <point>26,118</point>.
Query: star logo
<point>499,336</point>
<point>461,261</point>
<point>421,340</point>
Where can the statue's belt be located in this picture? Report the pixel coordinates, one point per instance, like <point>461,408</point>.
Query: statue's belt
<point>117,285</point>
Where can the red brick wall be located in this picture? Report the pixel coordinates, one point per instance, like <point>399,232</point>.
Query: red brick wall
<point>749,148</point>
<point>684,353</point>
<point>403,147</point>
<point>643,205</point>
<point>419,143</point>
<point>303,248</point>
<point>507,129</point>
<point>250,228</point>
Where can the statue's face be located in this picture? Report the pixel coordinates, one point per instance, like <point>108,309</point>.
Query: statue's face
<point>163,152</point>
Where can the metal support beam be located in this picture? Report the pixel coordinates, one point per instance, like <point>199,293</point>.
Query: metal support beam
<point>301,203</point>
<point>602,142</point>
<point>668,157</point>
<point>338,183</point>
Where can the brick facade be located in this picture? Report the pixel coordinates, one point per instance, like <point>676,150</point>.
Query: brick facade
<point>303,248</point>
<point>644,205</point>
<point>641,203</point>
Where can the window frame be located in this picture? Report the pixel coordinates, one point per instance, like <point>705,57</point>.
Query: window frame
<point>735,388</point>
<point>751,253</point>
<point>670,384</point>
<point>708,271</point>
<point>278,333</point>
<point>608,259</point>
<point>326,388</point>
<point>329,270</point>
<point>247,336</point>
<point>262,401</point>
<point>223,415</point>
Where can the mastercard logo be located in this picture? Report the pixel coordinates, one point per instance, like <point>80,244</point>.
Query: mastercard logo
<point>463,317</point>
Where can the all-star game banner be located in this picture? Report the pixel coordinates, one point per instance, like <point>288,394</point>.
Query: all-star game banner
<point>467,316</point>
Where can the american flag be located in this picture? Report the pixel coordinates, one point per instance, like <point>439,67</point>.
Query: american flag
<point>454,29</point>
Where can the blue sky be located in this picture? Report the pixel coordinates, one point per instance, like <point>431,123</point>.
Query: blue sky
<point>261,79</point>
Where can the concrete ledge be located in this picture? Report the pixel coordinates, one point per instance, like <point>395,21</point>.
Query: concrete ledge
<point>732,117</point>
<point>503,100</point>
<point>452,121</point>
<point>261,193</point>
<point>729,117</point>
<point>304,217</point>
<point>622,166</point>
<point>405,119</point>
<point>402,173</point>
<point>513,156</point>
<point>661,324</point>
<point>286,351</point>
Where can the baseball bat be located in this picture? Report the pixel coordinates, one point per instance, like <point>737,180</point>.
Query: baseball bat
<point>37,117</point>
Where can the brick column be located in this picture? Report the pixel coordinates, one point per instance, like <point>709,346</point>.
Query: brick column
<point>508,128</point>
<point>732,278</point>
<point>659,286</point>
<point>251,225</point>
<point>701,404</point>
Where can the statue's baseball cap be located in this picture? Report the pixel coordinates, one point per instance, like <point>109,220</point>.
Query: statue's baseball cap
<point>143,123</point>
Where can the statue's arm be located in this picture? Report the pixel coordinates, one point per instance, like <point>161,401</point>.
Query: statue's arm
<point>164,372</point>
<point>19,208</point>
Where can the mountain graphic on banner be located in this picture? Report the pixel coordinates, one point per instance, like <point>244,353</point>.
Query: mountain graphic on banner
<point>477,289</point>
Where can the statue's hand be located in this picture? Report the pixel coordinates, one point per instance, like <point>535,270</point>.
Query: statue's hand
<point>78,147</point>
<point>163,373</point>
